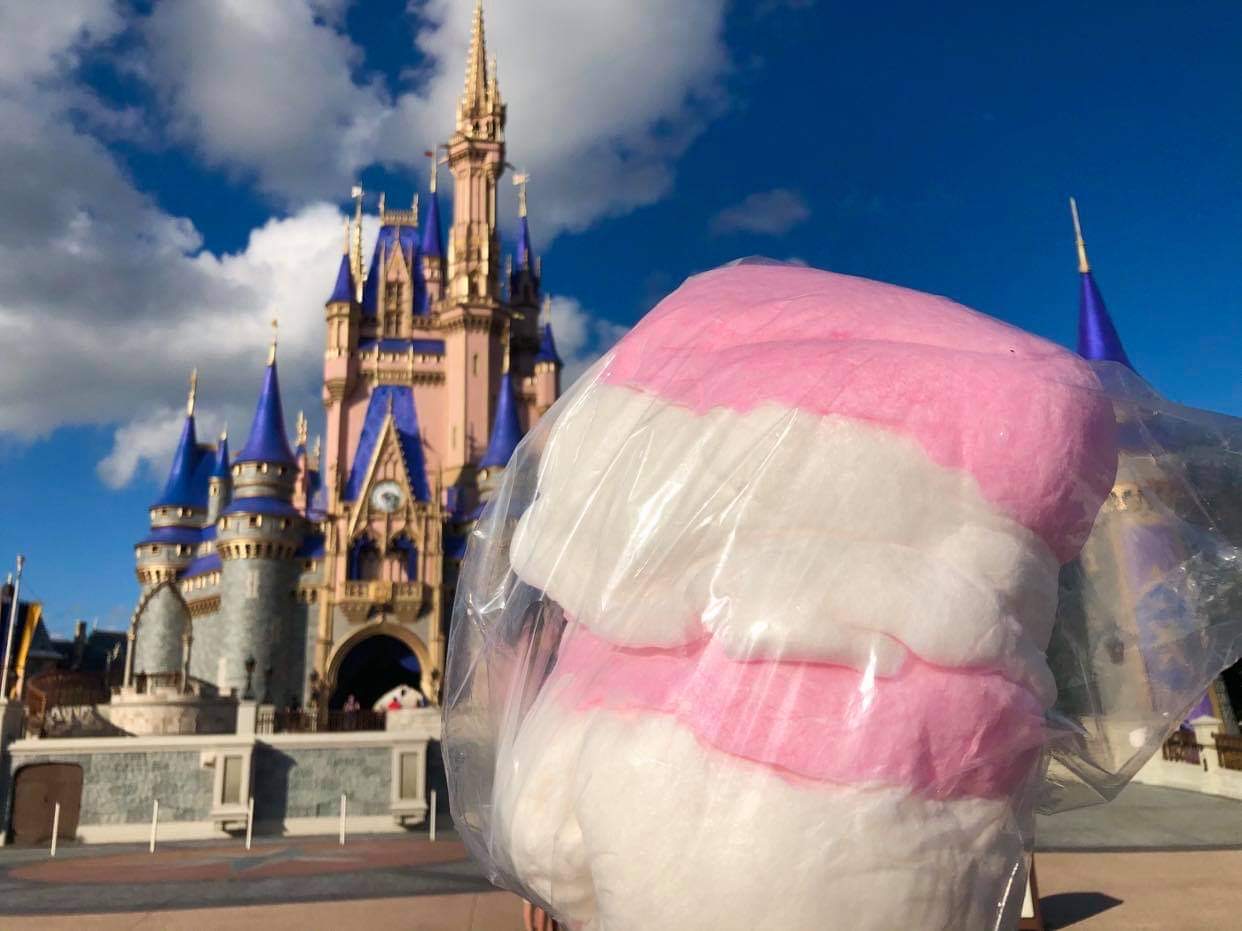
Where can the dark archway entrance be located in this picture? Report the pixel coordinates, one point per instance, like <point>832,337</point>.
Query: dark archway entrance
<point>36,791</point>
<point>373,667</point>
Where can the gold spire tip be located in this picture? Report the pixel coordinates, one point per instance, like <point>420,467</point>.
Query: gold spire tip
<point>189,403</point>
<point>1083,265</point>
<point>271,353</point>
<point>224,434</point>
<point>302,428</point>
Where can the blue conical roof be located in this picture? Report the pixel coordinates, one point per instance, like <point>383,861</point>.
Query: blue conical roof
<point>344,290</point>
<point>525,258</point>
<point>222,459</point>
<point>547,347</point>
<point>1097,337</point>
<point>181,489</point>
<point>267,441</point>
<point>432,238</point>
<point>506,428</point>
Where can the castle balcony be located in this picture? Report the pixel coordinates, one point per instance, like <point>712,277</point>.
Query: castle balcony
<point>404,599</point>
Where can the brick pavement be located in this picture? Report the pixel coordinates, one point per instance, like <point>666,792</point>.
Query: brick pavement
<point>1153,859</point>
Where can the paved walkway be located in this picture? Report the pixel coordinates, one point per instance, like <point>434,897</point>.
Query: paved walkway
<point>1153,859</point>
<point>1146,818</point>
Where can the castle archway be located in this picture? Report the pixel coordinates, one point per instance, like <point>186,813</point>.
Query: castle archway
<point>375,660</point>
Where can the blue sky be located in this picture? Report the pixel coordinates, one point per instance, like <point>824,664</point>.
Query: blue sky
<point>173,176</point>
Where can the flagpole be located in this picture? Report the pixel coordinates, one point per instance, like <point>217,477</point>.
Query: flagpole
<point>8,639</point>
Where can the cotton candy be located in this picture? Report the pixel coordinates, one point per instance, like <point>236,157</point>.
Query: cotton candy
<point>795,544</point>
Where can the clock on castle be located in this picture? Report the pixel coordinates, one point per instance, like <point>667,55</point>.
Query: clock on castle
<point>336,566</point>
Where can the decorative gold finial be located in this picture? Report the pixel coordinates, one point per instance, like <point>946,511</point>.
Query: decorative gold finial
<point>189,404</point>
<point>381,206</point>
<point>271,353</point>
<point>355,247</point>
<point>435,167</point>
<point>224,434</point>
<point>414,208</point>
<point>347,236</point>
<point>302,428</point>
<point>547,308</point>
<point>317,448</point>
<point>1083,265</point>
<point>475,101</point>
<point>520,180</point>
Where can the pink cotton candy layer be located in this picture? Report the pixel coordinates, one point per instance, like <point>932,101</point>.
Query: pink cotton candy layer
<point>1022,415</point>
<point>940,732</point>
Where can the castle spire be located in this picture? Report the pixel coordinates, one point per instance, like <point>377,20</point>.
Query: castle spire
<point>222,456</point>
<point>189,402</point>
<point>475,98</point>
<point>267,441</point>
<point>1097,336</point>
<point>343,290</point>
<point>355,245</point>
<point>1083,265</point>
<point>506,427</point>
<point>432,236</point>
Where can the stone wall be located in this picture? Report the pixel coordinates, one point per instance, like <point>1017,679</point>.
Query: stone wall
<point>298,782</point>
<point>157,645</point>
<point>118,788</point>
<point>256,600</point>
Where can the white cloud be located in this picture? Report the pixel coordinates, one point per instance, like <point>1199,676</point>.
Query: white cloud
<point>603,97</point>
<point>770,213</point>
<point>39,41</point>
<point>265,89</point>
<point>581,338</point>
<point>110,301</point>
<point>148,441</point>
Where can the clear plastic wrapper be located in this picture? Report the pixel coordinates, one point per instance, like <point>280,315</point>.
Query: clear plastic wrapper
<point>798,605</point>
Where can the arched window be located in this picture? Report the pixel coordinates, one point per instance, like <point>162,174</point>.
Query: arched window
<point>364,561</point>
<point>408,554</point>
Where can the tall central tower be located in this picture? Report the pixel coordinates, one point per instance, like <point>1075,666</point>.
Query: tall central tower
<point>428,349</point>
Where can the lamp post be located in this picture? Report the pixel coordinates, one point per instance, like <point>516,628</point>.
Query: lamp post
<point>8,639</point>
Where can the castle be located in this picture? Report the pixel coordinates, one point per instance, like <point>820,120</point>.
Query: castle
<point>286,573</point>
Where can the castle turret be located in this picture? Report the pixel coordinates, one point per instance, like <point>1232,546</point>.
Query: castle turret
<point>524,279</point>
<point>474,319</point>
<point>219,486</point>
<point>548,365</point>
<point>476,157</point>
<point>160,624</point>
<point>1097,337</point>
<point>1141,643</point>
<point>433,245</point>
<point>178,514</point>
<point>505,435</point>
<point>344,315</point>
<point>258,535</point>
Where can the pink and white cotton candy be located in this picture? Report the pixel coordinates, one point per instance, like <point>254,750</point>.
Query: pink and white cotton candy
<point>803,533</point>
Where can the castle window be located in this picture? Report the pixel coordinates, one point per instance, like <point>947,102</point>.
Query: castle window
<point>280,470</point>
<point>155,549</point>
<point>263,467</point>
<point>474,364</point>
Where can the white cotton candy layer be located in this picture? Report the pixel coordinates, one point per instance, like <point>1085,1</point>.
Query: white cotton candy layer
<point>790,535</point>
<point>628,822</point>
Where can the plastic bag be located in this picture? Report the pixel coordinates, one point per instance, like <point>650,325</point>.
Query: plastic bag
<point>780,615</point>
